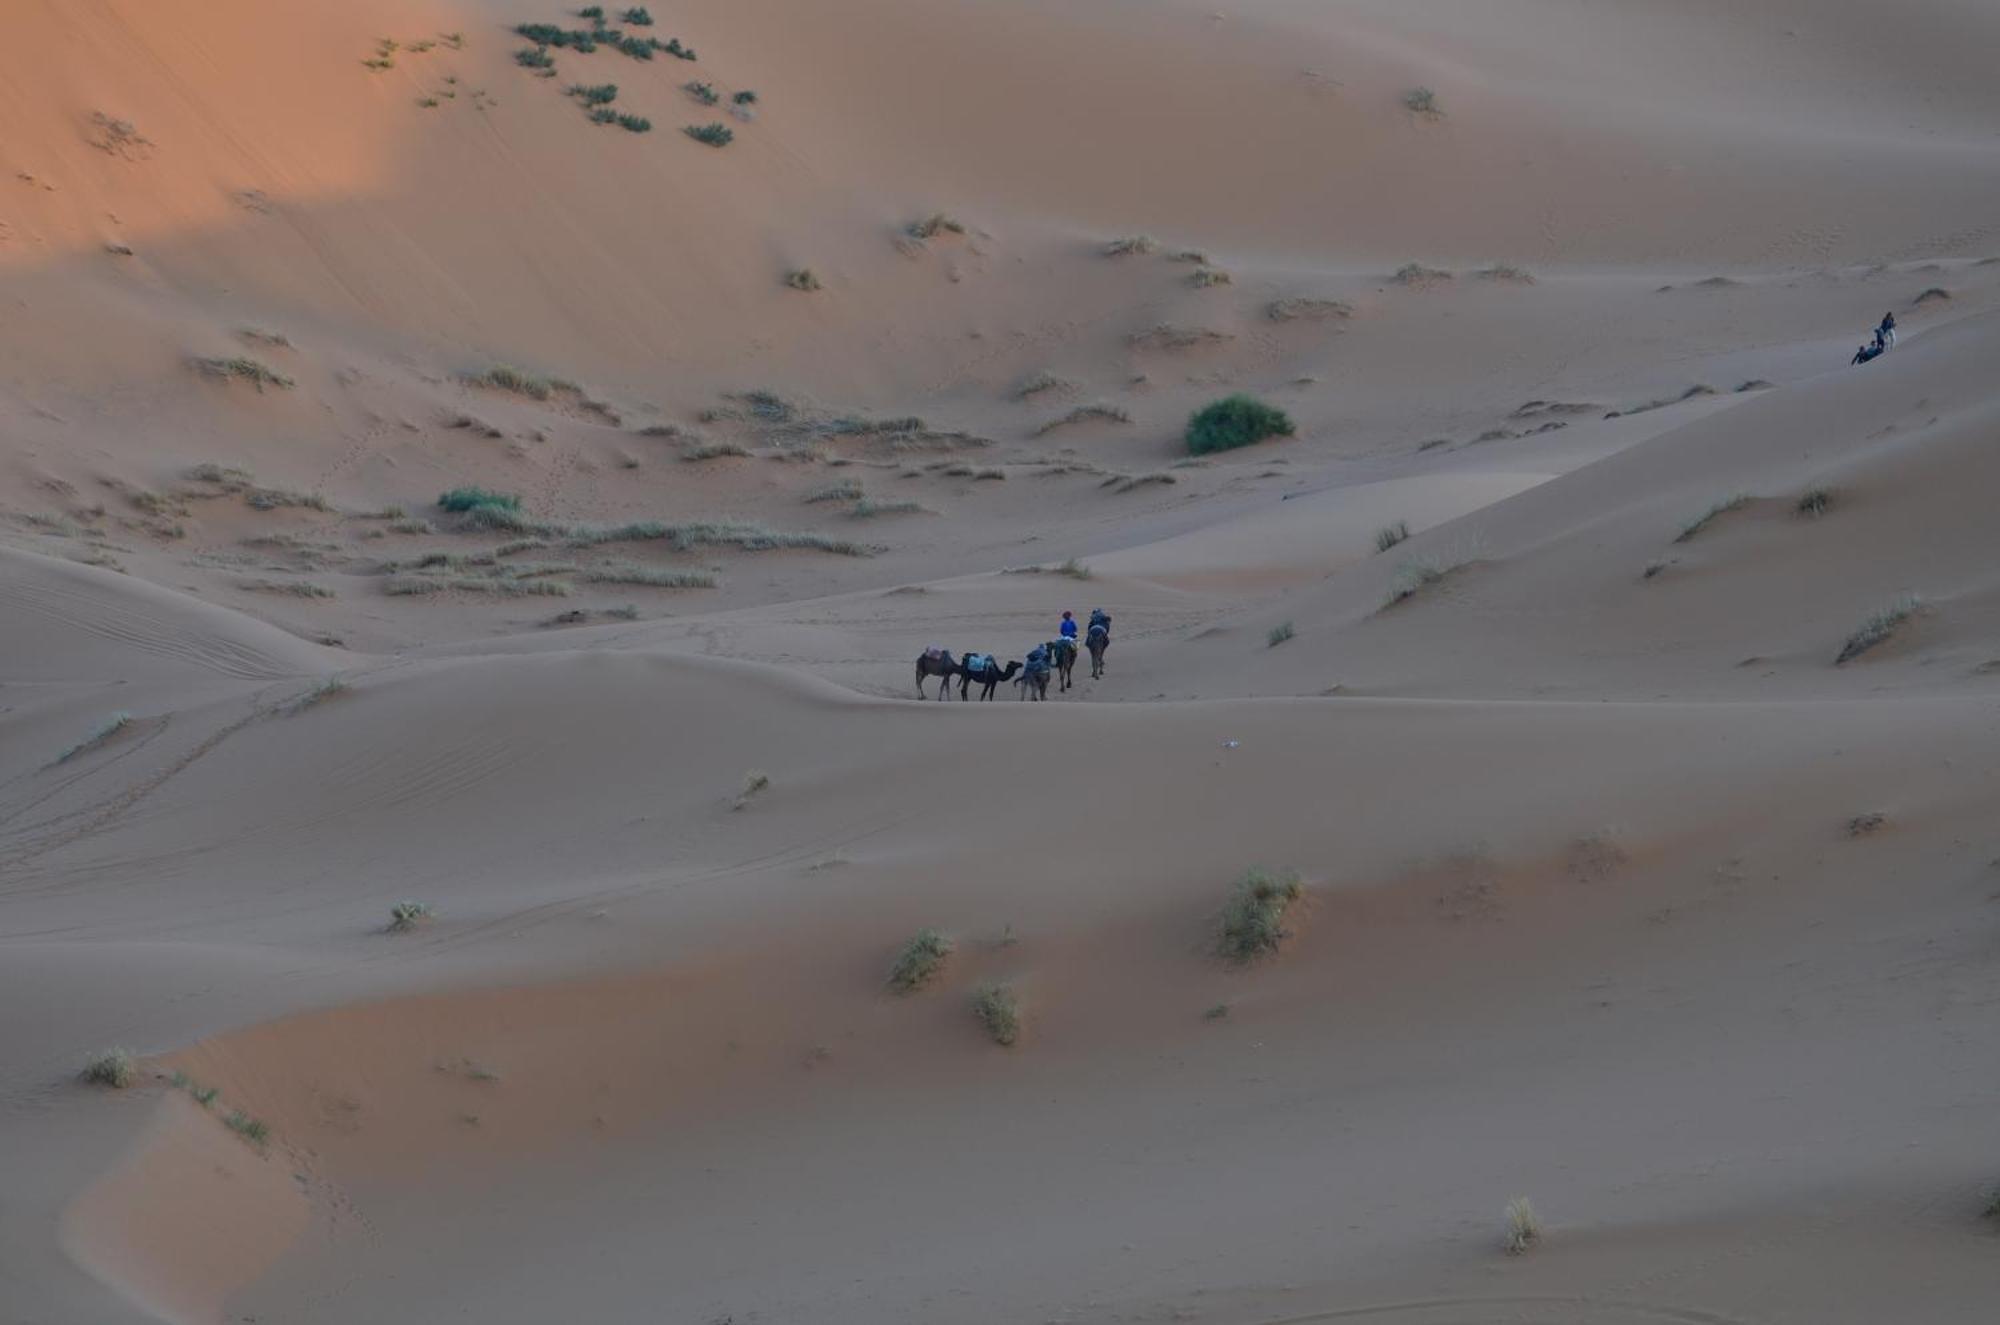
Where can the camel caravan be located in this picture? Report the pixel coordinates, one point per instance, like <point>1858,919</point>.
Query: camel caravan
<point>1052,661</point>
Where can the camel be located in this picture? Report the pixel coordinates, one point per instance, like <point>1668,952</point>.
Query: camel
<point>1097,641</point>
<point>989,677</point>
<point>1062,654</point>
<point>943,666</point>
<point>1035,679</point>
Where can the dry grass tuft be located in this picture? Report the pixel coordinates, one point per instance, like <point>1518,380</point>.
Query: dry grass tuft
<point>1253,921</point>
<point>1723,506</point>
<point>1131,246</point>
<point>1879,627</point>
<point>1524,1227</point>
<point>114,1069</point>
<point>1389,536</point>
<point>998,1011</point>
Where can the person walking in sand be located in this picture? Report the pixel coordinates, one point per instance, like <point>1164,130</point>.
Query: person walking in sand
<point>1885,334</point>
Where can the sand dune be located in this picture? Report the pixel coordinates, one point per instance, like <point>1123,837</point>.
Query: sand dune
<point>1608,661</point>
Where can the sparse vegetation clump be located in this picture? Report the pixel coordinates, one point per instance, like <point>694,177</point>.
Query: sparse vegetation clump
<point>253,1130</point>
<point>245,369</point>
<point>1722,507</point>
<point>1506,272</point>
<point>1879,627</point>
<point>998,1011</point>
<point>535,57</point>
<point>866,509</point>
<point>846,490</point>
<point>1416,274</point>
<point>653,577</point>
<point>919,961</point>
<point>1416,575</point>
<point>1421,101</point>
<point>1131,246</point>
<point>1814,502</point>
<point>1204,277</point>
<point>714,135</point>
<point>1524,1227</point>
<point>746,97</point>
<point>713,451</point>
<point>705,93</point>
<point>114,1069</point>
<point>638,16</point>
<point>1297,309</point>
<point>408,915</point>
<point>1234,421</point>
<point>1278,634</point>
<point>505,377</point>
<point>937,223</point>
<point>595,94</point>
<point>462,500</point>
<point>1086,414</point>
<point>802,278</point>
<point>1253,921</point>
<point>1043,381</point>
<point>1389,536</point>
<point>635,123</point>
<point>602,115</point>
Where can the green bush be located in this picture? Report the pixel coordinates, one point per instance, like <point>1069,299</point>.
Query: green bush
<point>603,115</point>
<point>1253,922</point>
<point>113,1068</point>
<point>920,960</point>
<point>745,98</point>
<point>639,48</point>
<point>1234,421</point>
<point>468,499</point>
<point>635,123</point>
<point>673,47</point>
<point>591,11</point>
<point>715,135</point>
<point>703,92</point>
<point>637,16</point>
<point>998,1011</point>
<point>534,57</point>
<point>598,94</point>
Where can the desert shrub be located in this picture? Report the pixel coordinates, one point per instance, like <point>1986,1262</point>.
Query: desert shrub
<point>244,369</point>
<point>411,527</point>
<point>595,94</point>
<point>277,340</point>
<point>715,135</point>
<point>294,588</point>
<point>228,476</point>
<point>919,961</point>
<point>1721,507</point>
<point>1421,101</point>
<point>1234,421</point>
<point>1131,246</point>
<point>746,97</point>
<point>673,47</point>
<point>271,499</point>
<point>703,92</point>
<point>253,1130</point>
<point>603,115</point>
<point>1416,273</point>
<point>1879,627</point>
<point>1253,921</point>
<point>1861,825</point>
<point>1524,1227</point>
<point>534,57</point>
<point>1215,1012</point>
<point>637,16</point>
<point>1935,292</point>
<point>635,124</point>
<point>1389,536</point>
<point>1296,309</point>
<point>639,48</point>
<point>408,915</point>
<point>1278,634</point>
<point>1204,277</point>
<point>937,223</point>
<point>998,1011</point>
<point>1814,502</point>
<point>1074,569</point>
<point>99,734</point>
<point>114,1068</point>
<point>459,500</point>
<point>802,278</point>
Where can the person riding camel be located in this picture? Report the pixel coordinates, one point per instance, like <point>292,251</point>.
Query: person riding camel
<point>1100,620</point>
<point>1068,627</point>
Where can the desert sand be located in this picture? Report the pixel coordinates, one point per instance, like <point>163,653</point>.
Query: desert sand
<point>1640,800</point>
